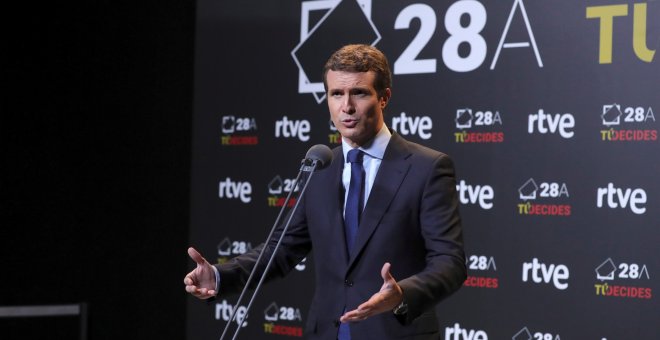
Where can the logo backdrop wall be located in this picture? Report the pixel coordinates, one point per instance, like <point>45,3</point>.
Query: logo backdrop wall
<point>549,109</point>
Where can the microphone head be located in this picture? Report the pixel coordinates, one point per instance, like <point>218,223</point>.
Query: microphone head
<point>320,153</point>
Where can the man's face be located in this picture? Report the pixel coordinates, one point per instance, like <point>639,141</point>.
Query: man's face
<point>355,108</point>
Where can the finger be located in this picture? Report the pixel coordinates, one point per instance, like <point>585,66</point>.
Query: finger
<point>201,293</point>
<point>188,280</point>
<point>196,256</point>
<point>364,309</point>
<point>385,272</point>
<point>367,306</point>
<point>354,315</point>
<point>191,289</point>
<point>348,317</point>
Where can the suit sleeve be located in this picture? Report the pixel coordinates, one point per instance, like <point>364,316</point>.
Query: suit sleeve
<point>441,230</point>
<point>295,245</point>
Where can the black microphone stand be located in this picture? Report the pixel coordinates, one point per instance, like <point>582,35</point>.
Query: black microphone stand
<point>307,165</point>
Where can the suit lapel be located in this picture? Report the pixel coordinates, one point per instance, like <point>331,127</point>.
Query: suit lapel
<point>391,173</point>
<point>335,204</point>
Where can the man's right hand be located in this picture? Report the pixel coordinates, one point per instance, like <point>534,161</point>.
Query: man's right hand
<point>201,281</point>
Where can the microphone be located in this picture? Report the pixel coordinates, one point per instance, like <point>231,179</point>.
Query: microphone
<point>321,154</point>
<point>318,157</point>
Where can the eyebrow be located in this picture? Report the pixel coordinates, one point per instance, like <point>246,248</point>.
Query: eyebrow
<point>351,89</point>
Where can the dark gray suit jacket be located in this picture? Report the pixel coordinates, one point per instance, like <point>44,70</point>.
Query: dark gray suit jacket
<point>411,220</point>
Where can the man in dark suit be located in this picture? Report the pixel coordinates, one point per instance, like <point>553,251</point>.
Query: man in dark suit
<point>384,205</point>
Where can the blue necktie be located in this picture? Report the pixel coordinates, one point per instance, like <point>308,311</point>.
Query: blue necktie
<point>354,204</point>
<point>355,198</point>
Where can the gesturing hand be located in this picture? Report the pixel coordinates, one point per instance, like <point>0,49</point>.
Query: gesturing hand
<point>389,296</point>
<point>201,281</point>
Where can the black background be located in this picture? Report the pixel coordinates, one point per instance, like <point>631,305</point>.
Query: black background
<point>96,116</point>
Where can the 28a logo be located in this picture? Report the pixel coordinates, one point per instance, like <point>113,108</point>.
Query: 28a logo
<point>231,124</point>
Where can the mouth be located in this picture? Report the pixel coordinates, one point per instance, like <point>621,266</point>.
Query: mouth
<point>350,122</point>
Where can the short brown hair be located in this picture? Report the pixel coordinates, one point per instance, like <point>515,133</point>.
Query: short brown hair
<point>360,58</point>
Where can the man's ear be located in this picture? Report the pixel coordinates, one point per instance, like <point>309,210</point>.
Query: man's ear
<point>385,99</point>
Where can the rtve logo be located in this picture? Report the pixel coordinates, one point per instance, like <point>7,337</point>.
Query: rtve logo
<point>458,333</point>
<point>548,123</point>
<point>617,197</point>
<point>230,189</point>
<point>223,310</point>
<point>478,194</point>
<point>292,128</point>
<point>542,273</point>
<point>420,126</point>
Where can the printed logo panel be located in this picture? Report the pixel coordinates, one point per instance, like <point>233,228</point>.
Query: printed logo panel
<point>482,272</point>
<point>623,280</point>
<point>488,122</point>
<point>541,273</point>
<point>633,199</point>
<point>238,131</point>
<point>547,198</point>
<point>628,124</point>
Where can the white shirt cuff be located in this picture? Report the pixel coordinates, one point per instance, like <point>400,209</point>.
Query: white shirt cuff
<point>217,280</point>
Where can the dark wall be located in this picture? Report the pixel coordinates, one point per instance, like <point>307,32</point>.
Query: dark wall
<point>95,126</point>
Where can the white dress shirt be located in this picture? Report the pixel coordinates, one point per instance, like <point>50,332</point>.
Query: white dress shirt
<point>373,156</point>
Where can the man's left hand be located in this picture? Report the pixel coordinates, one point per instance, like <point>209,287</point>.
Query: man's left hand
<point>389,296</point>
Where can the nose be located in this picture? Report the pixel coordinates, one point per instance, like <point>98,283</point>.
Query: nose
<point>347,105</point>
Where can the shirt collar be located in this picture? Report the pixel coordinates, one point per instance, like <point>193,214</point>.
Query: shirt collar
<point>375,148</point>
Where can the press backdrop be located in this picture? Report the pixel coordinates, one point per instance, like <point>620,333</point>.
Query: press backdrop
<point>548,108</point>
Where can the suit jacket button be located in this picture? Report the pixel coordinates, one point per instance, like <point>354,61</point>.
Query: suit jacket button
<point>348,283</point>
